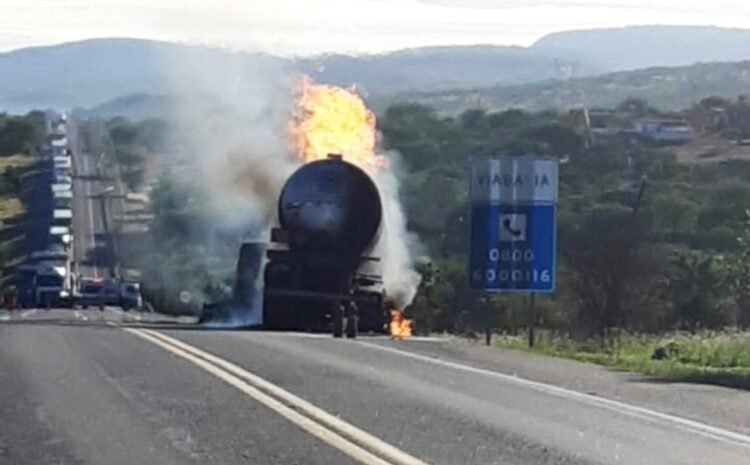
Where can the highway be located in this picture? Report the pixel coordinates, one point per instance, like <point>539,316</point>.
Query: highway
<point>91,387</point>
<point>90,247</point>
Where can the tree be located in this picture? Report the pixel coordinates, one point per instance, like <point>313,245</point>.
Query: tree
<point>12,176</point>
<point>131,161</point>
<point>615,277</point>
<point>559,140</point>
<point>697,284</point>
<point>122,131</point>
<point>16,136</point>
<point>739,275</point>
<point>130,157</point>
<point>636,107</point>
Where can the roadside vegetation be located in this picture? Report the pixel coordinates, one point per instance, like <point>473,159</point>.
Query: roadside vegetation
<point>19,137</point>
<point>712,357</point>
<point>661,287</point>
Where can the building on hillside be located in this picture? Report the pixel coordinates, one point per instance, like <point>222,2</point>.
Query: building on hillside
<point>601,126</point>
<point>663,131</point>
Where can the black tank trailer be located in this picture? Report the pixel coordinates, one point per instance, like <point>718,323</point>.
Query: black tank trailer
<point>319,273</point>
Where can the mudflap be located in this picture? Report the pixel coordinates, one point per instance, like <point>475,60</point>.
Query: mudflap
<point>371,314</point>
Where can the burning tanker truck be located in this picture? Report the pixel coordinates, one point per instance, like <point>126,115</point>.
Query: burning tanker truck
<point>319,272</point>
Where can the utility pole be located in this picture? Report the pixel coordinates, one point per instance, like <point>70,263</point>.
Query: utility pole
<point>532,320</point>
<point>638,198</point>
<point>487,324</point>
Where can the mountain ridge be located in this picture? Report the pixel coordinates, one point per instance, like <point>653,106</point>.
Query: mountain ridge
<point>89,72</point>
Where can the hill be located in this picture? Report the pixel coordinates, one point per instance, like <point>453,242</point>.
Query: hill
<point>636,47</point>
<point>87,73</point>
<point>133,107</point>
<point>93,71</point>
<point>665,88</point>
<point>434,68</point>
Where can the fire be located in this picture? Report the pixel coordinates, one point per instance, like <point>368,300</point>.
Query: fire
<point>330,119</point>
<point>400,326</point>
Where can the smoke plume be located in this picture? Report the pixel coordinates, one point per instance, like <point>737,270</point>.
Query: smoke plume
<point>233,117</point>
<point>397,246</point>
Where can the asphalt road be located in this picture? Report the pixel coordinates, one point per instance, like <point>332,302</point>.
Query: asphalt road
<point>90,247</point>
<point>113,388</point>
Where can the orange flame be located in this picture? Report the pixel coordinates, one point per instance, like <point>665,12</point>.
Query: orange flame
<point>333,120</point>
<point>400,326</point>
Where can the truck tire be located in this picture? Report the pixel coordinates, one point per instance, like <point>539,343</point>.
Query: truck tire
<point>352,321</point>
<point>338,321</point>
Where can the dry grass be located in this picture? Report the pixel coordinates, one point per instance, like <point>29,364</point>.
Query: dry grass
<point>16,161</point>
<point>10,207</point>
<point>12,239</point>
<point>709,149</point>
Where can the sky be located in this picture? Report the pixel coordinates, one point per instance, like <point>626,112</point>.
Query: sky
<point>304,27</point>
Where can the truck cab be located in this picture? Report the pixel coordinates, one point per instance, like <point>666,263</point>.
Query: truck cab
<point>52,280</point>
<point>60,235</point>
<point>62,199</point>
<point>60,188</point>
<point>51,283</point>
<point>62,162</point>
<point>62,217</point>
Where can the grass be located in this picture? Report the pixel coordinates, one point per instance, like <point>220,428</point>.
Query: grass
<point>710,357</point>
<point>12,209</point>
<point>15,161</point>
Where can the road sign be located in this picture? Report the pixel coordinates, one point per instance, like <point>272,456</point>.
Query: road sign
<point>513,211</point>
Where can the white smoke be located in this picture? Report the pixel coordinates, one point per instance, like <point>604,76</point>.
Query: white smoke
<point>397,246</point>
<point>233,116</point>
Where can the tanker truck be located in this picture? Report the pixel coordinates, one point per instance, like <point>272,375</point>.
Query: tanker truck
<point>320,272</point>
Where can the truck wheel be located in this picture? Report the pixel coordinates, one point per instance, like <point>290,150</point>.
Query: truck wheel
<point>338,321</point>
<point>352,321</point>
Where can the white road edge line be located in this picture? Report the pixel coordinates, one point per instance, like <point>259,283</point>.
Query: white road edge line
<point>353,433</point>
<point>692,426</point>
<point>316,429</point>
<point>26,313</point>
<point>90,208</point>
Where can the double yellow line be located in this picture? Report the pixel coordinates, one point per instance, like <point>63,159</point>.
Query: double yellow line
<point>347,438</point>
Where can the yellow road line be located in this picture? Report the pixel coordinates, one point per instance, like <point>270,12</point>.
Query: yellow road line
<point>362,437</point>
<point>241,379</point>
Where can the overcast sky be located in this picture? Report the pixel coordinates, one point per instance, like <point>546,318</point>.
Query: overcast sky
<point>315,26</point>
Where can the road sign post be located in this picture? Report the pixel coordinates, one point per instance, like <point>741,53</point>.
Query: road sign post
<point>513,225</point>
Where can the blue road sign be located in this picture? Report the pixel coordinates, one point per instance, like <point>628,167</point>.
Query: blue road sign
<point>513,230</point>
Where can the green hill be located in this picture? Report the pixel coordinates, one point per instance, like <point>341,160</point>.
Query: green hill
<point>665,88</point>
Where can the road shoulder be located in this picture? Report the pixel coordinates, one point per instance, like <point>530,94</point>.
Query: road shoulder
<point>714,405</point>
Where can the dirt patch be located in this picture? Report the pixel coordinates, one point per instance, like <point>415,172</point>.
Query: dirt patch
<point>711,149</point>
